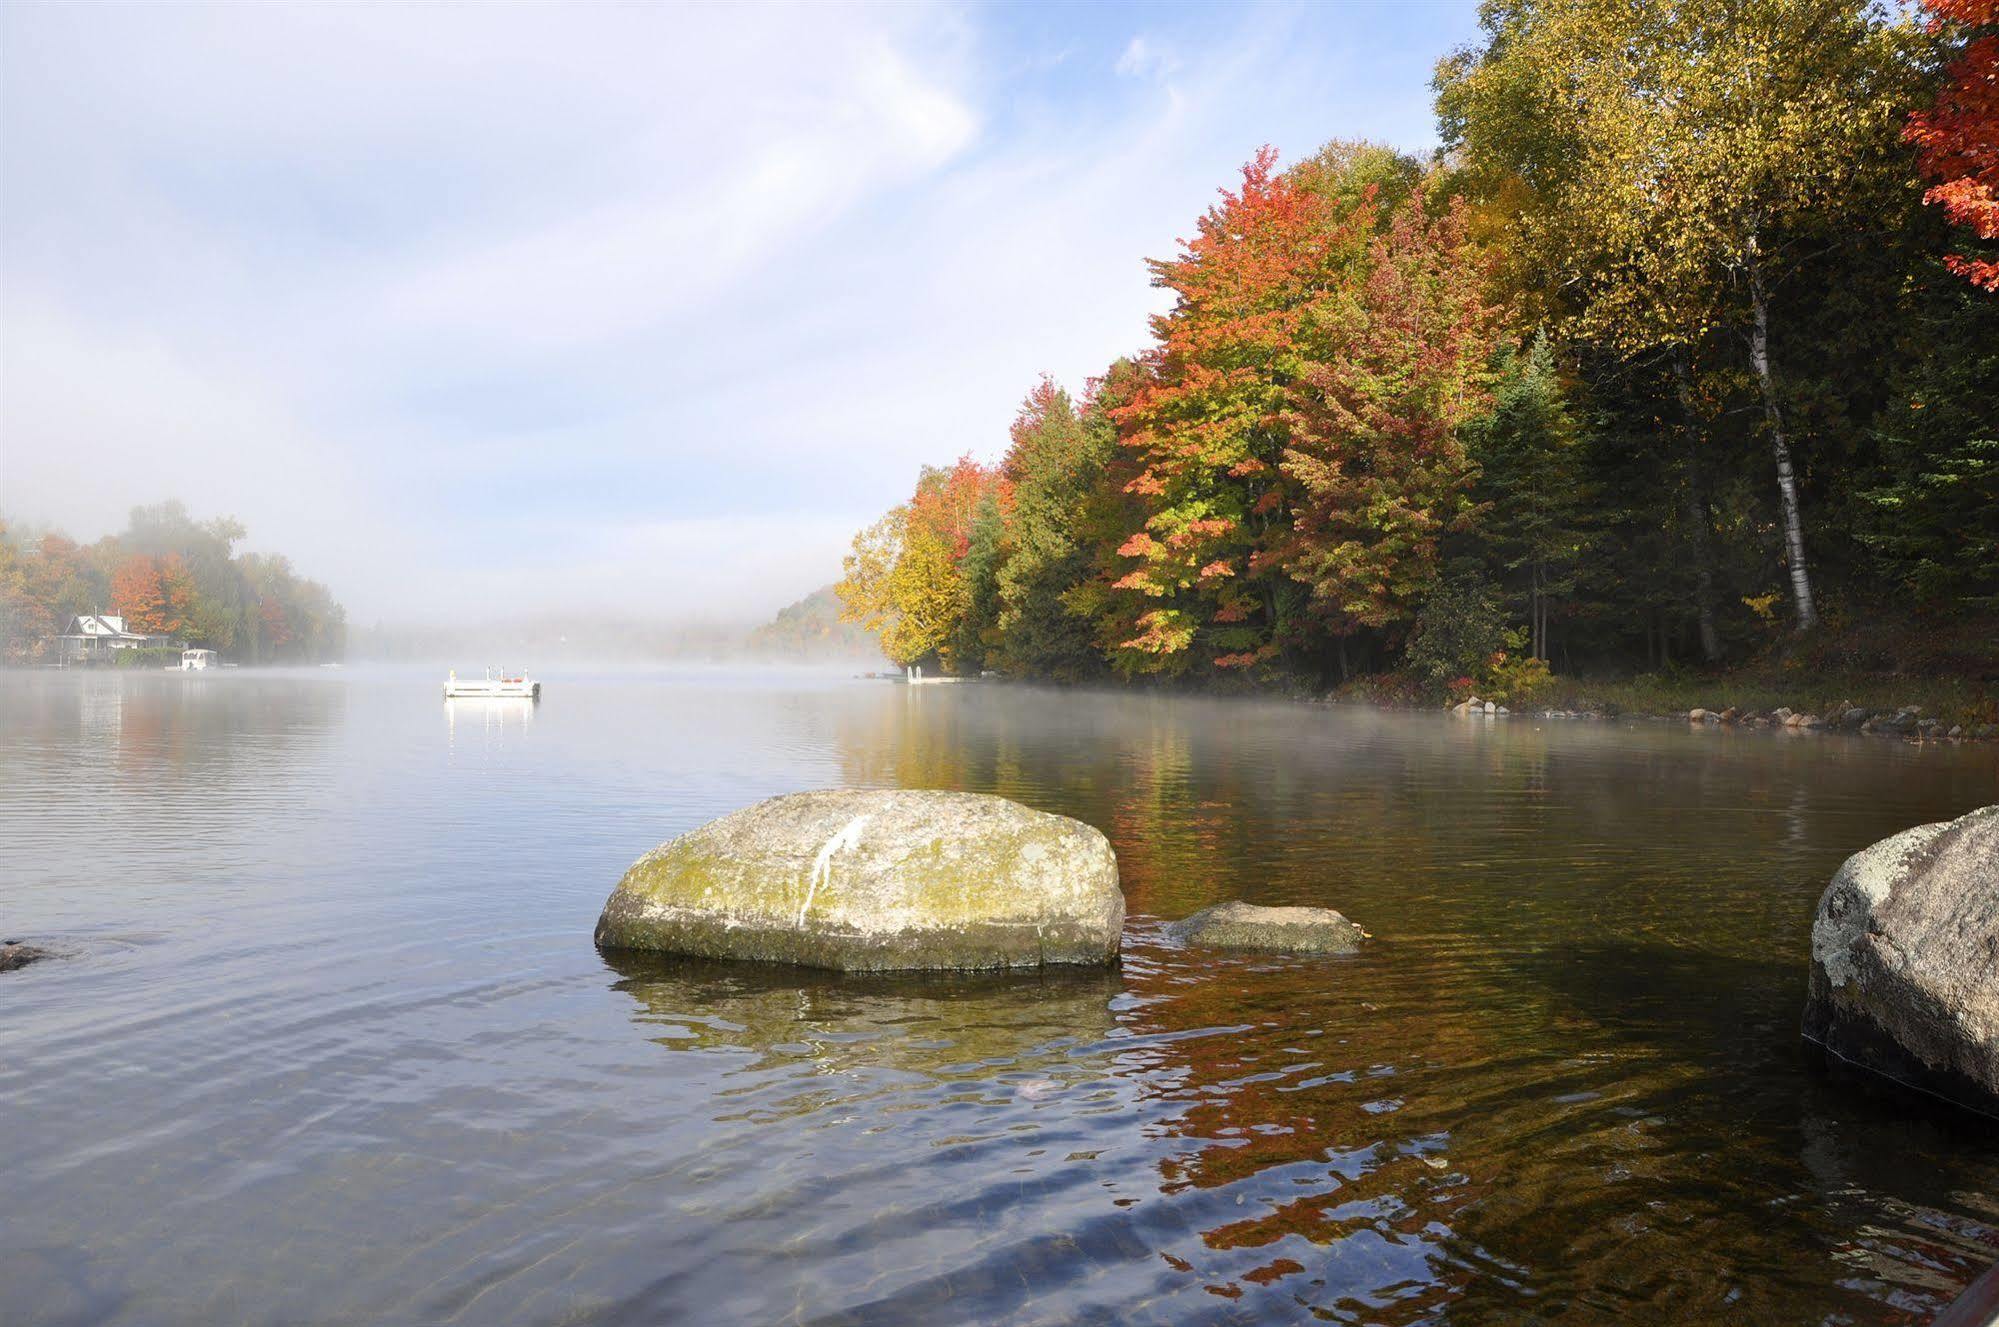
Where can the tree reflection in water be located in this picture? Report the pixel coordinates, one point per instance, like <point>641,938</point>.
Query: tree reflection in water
<point>1432,1128</point>
<point>1564,1084</point>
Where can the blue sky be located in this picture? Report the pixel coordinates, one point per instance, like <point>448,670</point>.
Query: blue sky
<point>475,310</point>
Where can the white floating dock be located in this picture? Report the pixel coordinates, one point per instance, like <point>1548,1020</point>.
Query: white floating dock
<point>490,687</point>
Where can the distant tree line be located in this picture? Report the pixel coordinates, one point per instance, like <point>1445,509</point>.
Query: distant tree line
<point>166,575</point>
<point>811,629</point>
<point>1687,340</point>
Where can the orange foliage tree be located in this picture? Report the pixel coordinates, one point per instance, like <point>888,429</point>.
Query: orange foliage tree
<point>1207,422</point>
<point>1377,448</point>
<point>1958,138</point>
<point>153,594</point>
<point>1297,434</point>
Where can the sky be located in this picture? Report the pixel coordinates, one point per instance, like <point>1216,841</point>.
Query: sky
<point>478,311</point>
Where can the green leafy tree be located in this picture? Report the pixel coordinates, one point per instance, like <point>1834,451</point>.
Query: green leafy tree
<point>1057,463</point>
<point>1933,523</point>
<point>1534,497</point>
<point>1456,634</point>
<point>1666,153</point>
<point>984,551</point>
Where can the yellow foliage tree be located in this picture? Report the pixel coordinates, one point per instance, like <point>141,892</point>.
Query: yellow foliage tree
<point>928,591</point>
<point>903,583</point>
<point>1662,153</point>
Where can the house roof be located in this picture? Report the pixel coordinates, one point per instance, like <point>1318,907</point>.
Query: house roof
<point>96,624</point>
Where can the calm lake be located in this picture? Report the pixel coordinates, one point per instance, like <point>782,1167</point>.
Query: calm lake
<point>331,1044</point>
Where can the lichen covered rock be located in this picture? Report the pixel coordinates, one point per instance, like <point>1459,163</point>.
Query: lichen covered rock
<point>1273,930</point>
<point>1905,961</point>
<point>877,881</point>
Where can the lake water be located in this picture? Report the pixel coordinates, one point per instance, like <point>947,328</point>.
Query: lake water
<point>331,1044</point>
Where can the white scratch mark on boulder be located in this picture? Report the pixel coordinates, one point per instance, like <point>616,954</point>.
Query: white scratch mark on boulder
<point>822,865</point>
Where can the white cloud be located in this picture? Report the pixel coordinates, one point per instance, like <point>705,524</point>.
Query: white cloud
<point>603,268</point>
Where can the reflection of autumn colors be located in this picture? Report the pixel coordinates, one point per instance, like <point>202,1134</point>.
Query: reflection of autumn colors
<point>1561,1086</point>
<point>1429,1129</point>
<point>165,729</point>
<point>1283,1100</point>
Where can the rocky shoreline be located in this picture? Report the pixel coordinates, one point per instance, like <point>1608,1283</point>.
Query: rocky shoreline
<point>1906,721</point>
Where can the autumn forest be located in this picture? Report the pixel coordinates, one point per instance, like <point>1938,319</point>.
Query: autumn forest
<point>1682,352</point>
<point>168,576</point>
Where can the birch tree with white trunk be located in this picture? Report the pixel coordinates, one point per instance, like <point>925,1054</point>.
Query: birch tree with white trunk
<point>1668,159</point>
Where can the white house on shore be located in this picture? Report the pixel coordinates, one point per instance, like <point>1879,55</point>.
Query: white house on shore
<point>93,635</point>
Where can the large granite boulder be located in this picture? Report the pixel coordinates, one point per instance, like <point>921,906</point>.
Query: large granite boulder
<point>877,881</point>
<point>1905,961</point>
<point>1273,930</point>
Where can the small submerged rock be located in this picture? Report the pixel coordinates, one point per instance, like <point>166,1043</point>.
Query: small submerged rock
<point>1905,961</point>
<point>1903,720</point>
<point>877,881</point>
<point>19,953</point>
<point>1278,930</point>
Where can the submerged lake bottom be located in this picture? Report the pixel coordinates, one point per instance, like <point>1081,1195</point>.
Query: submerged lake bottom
<point>327,1041</point>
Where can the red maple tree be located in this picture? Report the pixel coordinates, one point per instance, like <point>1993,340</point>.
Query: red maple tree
<point>1296,434</point>
<point>947,501</point>
<point>1957,139</point>
<point>1377,452</point>
<point>1205,424</point>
